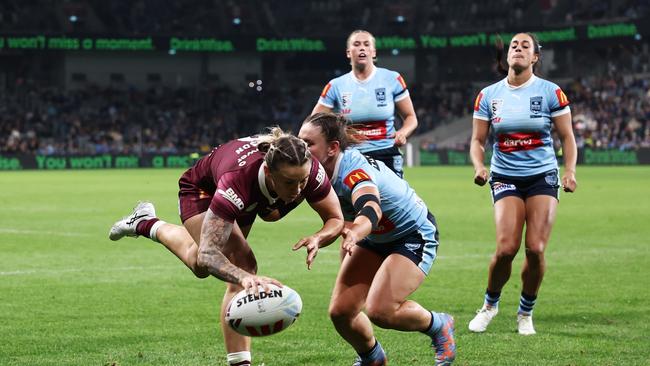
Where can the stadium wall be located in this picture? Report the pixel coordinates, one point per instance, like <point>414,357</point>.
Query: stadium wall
<point>427,158</point>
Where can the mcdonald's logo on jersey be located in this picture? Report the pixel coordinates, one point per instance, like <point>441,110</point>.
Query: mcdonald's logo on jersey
<point>325,90</point>
<point>561,98</point>
<point>355,177</point>
<point>477,102</point>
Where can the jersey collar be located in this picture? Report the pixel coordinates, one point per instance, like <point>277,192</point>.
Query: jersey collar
<point>522,86</point>
<point>261,178</point>
<point>336,166</point>
<point>367,80</point>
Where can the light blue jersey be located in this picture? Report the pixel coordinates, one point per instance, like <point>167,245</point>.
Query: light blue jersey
<point>370,104</point>
<point>403,211</point>
<point>520,120</point>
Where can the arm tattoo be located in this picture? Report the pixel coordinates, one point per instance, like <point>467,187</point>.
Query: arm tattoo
<point>214,237</point>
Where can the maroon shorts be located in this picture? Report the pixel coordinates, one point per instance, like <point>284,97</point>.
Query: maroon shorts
<point>192,200</point>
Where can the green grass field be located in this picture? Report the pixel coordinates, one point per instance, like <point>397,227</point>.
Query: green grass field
<point>69,296</point>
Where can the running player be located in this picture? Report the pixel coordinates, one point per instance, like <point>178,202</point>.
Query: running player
<point>368,96</point>
<point>521,110</point>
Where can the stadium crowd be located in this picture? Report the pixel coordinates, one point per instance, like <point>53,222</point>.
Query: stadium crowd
<point>608,112</point>
<point>304,18</point>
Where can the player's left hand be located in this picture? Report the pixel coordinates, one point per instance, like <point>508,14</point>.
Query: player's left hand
<point>569,182</point>
<point>400,138</point>
<point>311,243</point>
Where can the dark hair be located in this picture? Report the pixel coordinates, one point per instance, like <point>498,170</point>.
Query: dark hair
<point>502,65</point>
<point>335,127</point>
<point>282,148</point>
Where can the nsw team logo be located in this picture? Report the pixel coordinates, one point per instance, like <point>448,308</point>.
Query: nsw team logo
<point>496,106</point>
<point>551,179</point>
<point>535,106</point>
<point>380,95</point>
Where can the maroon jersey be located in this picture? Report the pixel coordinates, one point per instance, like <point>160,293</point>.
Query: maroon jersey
<point>233,175</point>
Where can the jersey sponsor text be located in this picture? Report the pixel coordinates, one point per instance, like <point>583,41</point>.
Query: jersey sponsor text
<point>509,142</point>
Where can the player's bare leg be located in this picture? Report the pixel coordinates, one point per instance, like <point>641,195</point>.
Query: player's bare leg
<point>349,295</point>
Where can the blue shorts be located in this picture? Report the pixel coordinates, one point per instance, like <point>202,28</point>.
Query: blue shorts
<point>547,183</point>
<point>420,246</point>
<point>392,157</point>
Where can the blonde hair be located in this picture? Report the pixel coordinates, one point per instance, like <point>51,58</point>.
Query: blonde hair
<point>357,31</point>
<point>282,148</point>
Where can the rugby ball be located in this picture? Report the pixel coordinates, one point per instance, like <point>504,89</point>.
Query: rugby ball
<point>269,313</point>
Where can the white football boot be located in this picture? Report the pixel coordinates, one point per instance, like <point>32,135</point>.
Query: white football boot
<point>525,324</point>
<point>483,317</point>
<point>127,226</point>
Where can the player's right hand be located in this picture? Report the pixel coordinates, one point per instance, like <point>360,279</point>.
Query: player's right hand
<point>349,240</point>
<point>480,176</point>
<point>252,283</point>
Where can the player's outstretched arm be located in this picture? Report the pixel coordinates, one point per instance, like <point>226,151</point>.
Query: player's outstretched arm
<point>366,202</point>
<point>329,211</point>
<point>215,232</point>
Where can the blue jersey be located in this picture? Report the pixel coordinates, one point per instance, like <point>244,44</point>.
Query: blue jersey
<point>403,211</point>
<point>370,104</point>
<point>520,120</point>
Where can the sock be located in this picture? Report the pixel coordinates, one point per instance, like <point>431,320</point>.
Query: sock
<point>376,353</point>
<point>436,324</point>
<point>154,230</point>
<point>526,303</point>
<point>492,298</point>
<point>239,358</point>
<point>145,227</point>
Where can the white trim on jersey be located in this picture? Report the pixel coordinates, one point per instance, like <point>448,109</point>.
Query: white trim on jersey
<point>522,86</point>
<point>560,112</point>
<point>401,97</point>
<point>261,179</point>
<point>366,80</point>
<point>331,106</point>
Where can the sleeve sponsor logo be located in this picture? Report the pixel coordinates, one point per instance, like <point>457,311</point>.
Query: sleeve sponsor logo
<point>320,177</point>
<point>355,177</point>
<point>401,81</point>
<point>326,89</point>
<point>477,102</point>
<point>509,142</point>
<point>561,97</point>
<point>230,195</point>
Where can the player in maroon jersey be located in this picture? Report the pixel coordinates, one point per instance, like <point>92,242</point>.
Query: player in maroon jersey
<point>220,197</point>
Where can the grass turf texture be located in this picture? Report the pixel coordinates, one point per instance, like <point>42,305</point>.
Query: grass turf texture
<point>69,296</point>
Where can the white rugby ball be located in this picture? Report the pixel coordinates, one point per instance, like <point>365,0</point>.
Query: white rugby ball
<point>266,314</point>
